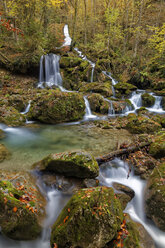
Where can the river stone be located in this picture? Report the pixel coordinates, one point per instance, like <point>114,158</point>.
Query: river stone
<point>4,153</point>
<point>17,220</point>
<point>104,88</point>
<point>91,219</point>
<point>148,100</point>
<point>155,196</point>
<point>125,189</point>
<point>10,116</point>
<point>141,124</point>
<point>73,164</point>
<point>157,148</point>
<point>53,106</point>
<point>124,89</point>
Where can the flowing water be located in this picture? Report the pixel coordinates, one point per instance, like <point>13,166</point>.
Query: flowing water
<point>88,113</point>
<point>117,171</point>
<point>67,40</point>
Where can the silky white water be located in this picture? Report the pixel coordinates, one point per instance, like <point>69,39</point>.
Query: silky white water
<point>118,171</point>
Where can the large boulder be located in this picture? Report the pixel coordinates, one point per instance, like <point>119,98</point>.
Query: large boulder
<point>148,100</point>
<point>155,196</point>
<point>157,148</point>
<point>141,124</point>
<point>53,106</point>
<point>75,164</point>
<point>18,215</point>
<point>104,88</point>
<point>91,219</point>
<point>141,80</point>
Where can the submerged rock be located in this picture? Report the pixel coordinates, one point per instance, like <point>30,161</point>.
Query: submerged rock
<point>90,219</point>
<point>157,148</point>
<point>4,153</point>
<point>75,164</point>
<point>18,218</point>
<point>141,124</point>
<point>148,100</point>
<point>155,196</point>
<point>53,106</point>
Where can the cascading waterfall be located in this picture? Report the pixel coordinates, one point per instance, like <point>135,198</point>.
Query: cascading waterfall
<point>27,108</point>
<point>49,71</point>
<point>114,82</point>
<point>117,171</point>
<point>67,40</point>
<point>89,61</point>
<point>136,99</point>
<point>88,112</point>
<point>157,108</point>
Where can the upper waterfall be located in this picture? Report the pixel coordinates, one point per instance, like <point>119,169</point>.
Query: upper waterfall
<point>49,71</point>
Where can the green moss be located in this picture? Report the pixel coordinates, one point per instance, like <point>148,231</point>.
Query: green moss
<point>148,100</point>
<point>141,124</point>
<point>75,164</point>
<point>53,106</point>
<point>157,148</point>
<point>124,89</point>
<point>10,116</point>
<point>104,89</point>
<point>98,104</point>
<point>91,217</point>
<point>155,196</point>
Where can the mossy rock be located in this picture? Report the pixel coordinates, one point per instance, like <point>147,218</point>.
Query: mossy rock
<point>104,88</point>
<point>4,153</point>
<point>160,85</point>
<point>121,106</point>
<point>124,89</point>
<point>148,100</point>
<point>69,62</point>
<point>141,80</point>
<point>157,148</point>
<point>76,164</point>
<point>160,119</point>
<point>17,221</point>
<point>155,196</point>
<point>163,102</point>
<point>91,219</point>
<point>18,102</point>
<point>98,104</point>
<point>53,106</point>
<point>141,124</point>
<point>10,116</point>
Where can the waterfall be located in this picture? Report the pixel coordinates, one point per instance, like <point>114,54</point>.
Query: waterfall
<point>49,71</point>
<point>89,61</point>
<point>157,108</point>
<point>136,99</point>
<point>88,112</point>
<point>27,108</point>
<point>67,40</point>
<point>114,82</point>
<point>117,171</point>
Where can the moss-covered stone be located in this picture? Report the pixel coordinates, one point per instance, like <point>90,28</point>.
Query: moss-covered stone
<point>4,153</point>
<point>10,116</point>
<point>104,88</point>
<point>124,89</point>
<point>69,62</point>
<point>90,219</point>
<point>148,100</point>
<point>141,124</point>
<point>53,106</point>
<point>159,85</point>
<point>17,221</point>
<point>76,164</point>
<point>163,102</point>
<point>98,104</point>
<point>141,80</point>
<point>155,196</point>
<point>157,148</point>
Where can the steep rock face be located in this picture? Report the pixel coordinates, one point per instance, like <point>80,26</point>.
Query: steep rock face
<point>157,148</point>
<point>90,219</point>
<point>155,197</point>
<point>76,164</point>
<point>53,106</point>
<point>16,219</point>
